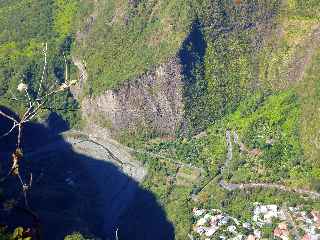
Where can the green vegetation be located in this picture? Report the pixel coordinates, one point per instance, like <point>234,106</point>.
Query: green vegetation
<point>128,39</point>
<point>251,67</point>
<point>237,81</point>
<point>289,41</point>
<point>26,26</point>
<point>175,199</point>
<point>76,236</point>
<point>219,58</point>
<point>269,125</point>
<point>308,91</point>
<point>304,9</point>
<point>18,234</point>
<point>212,38</point>
<point>64,13</point>
<point>260,118</point>
<point>267,122</point>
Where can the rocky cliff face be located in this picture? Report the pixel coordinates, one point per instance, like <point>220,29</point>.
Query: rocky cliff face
<point>154,102</point>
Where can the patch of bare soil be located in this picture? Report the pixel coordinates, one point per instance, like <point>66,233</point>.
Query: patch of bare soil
<point>304,56</point>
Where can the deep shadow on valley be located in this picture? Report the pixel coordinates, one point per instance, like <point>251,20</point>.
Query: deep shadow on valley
<point>72,192</point>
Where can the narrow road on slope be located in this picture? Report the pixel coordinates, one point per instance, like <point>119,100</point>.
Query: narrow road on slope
<point>234,186</point>
<point>229,152</point>
<point>81,36</point>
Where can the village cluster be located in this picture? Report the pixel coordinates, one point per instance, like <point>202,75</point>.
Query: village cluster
<point>286,223</point>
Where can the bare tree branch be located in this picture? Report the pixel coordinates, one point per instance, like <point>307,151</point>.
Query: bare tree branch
<point>8,117</point>
<point>28,97</point>
<point>7,133</point>
<point>34,106</point>
<point>66,67</point>
<point>117,237</point>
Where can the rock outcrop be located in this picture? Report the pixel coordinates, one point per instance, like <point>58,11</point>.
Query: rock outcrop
<point>153,101</point>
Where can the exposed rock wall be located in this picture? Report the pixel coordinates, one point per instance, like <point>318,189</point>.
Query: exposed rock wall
<point>154,101</point>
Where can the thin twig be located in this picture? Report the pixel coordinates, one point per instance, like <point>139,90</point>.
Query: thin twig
<point>9,117</point>
<point>117,237</point>
<point>7,133</point>
<point>66,67</point>
<point>19,135</point>
<point>44,69</point>
<point>28,97</point>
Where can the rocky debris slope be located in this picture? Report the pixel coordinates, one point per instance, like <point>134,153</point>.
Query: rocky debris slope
<point>84,185</point>
<point>107,149</point>
<point>153,101</point>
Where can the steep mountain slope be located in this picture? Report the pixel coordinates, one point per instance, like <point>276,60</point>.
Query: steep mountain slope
<point>245,67</point>
<point>194,33</point>
<point>187,84</point>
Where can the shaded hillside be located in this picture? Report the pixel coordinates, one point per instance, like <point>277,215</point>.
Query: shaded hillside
<point>73,191</point>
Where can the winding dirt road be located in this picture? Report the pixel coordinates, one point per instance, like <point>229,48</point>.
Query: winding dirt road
<point>234,186</point>
<point>81,36</point>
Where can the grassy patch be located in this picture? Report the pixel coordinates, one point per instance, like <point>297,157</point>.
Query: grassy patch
<point>127,40</point>
<point>289,41</point>
<point>309,91</point>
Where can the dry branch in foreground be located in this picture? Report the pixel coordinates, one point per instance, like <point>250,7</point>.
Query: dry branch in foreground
<point>35,104</point>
